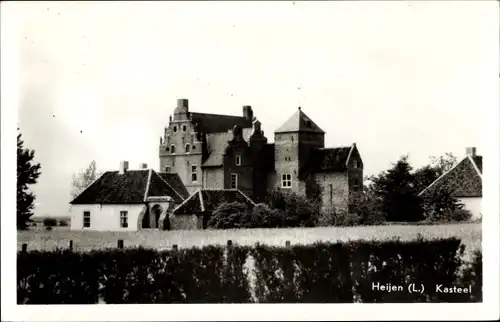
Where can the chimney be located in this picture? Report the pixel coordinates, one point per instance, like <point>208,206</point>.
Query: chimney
<point>471,151</point>
<point>248,113</point>
<point>123,167</point>
<point>183,103</point>
<point>143,165</point>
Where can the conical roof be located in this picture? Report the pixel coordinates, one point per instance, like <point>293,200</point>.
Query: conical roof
<point>299,122</point>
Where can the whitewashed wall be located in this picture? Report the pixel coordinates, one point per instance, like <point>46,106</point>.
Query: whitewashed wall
<point>473,204</point>
<point>105,217</point>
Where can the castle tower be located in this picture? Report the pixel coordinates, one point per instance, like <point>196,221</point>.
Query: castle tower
<point>294,142</point>
<point>257,145</point>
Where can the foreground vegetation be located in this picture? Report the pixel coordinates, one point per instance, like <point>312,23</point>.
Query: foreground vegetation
<point>470,234</point>
<point>321,272</point>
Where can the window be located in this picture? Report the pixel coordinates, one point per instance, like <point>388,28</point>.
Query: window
<point>172,148</point>
<point>331,193</point>
<point>167,169</point>
<point>167,149</point>
<point>124,219</point>
<point>193,148</point>
<point>238,160</point>
<point>194,175</point>
<point>355,163</point>
<point>86,219</point>
<point>234,181</point>
<point>184,128</point>
<point>286,180</point>
<point>175,128</point>
<point>187,148</point>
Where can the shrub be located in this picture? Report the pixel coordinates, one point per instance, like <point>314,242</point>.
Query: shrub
<point>296,210</point>
<point>368,207</point>
<point>63,223</point>
<point>440,205</point>
<point>50,222</point>
<point>321,272</point>
<point>339,218</point>
<point>230,215</point>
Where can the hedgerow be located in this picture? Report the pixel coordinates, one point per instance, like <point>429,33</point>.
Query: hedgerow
<point>321,272</point>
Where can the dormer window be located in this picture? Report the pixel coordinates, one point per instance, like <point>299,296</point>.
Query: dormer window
<point>175,128</point>
<point>172,148</point>
<point>187,148</point>
<point>237,160</point>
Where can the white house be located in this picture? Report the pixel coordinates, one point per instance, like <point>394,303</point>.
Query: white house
<point>464,181</point>
<point>128,200</point>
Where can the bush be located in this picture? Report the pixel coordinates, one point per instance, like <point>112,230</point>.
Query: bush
<point>230,215</point>
<point>440,205</point>
<point>368,207</point>
<point>339,218</point>
<point>209,275</point>
<point>50,222</point>
<point>63,223</point>
<point>296,210</point>
<point>322,272</point>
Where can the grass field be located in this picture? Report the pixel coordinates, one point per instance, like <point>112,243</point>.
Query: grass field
<point>470,233</point>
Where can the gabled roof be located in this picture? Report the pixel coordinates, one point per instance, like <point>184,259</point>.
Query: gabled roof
<point>132,187</point>
<point>207,200</point>
<point>215,123</point>
<point>217,142</point>
<point>299,122</point>
<point>462,180</point>
<point>175,182</point>
<point>329,160</point>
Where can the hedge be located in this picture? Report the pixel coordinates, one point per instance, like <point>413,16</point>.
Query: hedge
<point>321,272</point>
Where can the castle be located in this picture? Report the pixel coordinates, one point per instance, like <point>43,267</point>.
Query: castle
<point>210,151</point>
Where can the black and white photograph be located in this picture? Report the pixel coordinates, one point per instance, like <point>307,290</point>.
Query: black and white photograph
<point>178,153</point>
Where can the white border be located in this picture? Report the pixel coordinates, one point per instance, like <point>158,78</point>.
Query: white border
<point>10,311</point>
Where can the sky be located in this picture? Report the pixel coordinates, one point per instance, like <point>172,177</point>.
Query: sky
<point>98,80</point>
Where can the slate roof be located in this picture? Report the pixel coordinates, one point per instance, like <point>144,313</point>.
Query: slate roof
<point>299,122</point>
<point>175,182</point>
<point>463,180</point>
<point>328,160</point>
<point>132,187</point>
<point>207,200</point>
<point>215,123</point>
<point>216,144</point>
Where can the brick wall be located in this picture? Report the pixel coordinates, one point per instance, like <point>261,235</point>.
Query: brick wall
<point>186,222</point>
<point>181,134</point>
<point>213,177</point>
<point>335,189</point>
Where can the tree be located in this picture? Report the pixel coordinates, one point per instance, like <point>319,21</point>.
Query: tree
<point>398,193</point>
<point>84,179</point>
<point>28,173</point>
<point>443,163</point>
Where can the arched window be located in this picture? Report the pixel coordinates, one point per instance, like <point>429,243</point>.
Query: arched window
<point>187,148</point>
<point>175,128</point>
<point>184,128</point>
<point>172,148</point>
<point>193,148</point>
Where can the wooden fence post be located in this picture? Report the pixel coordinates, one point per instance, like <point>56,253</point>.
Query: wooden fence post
<point>287,243</point>
<point>70,245</point>
<point>120,243</point>
<point>25,248</point>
